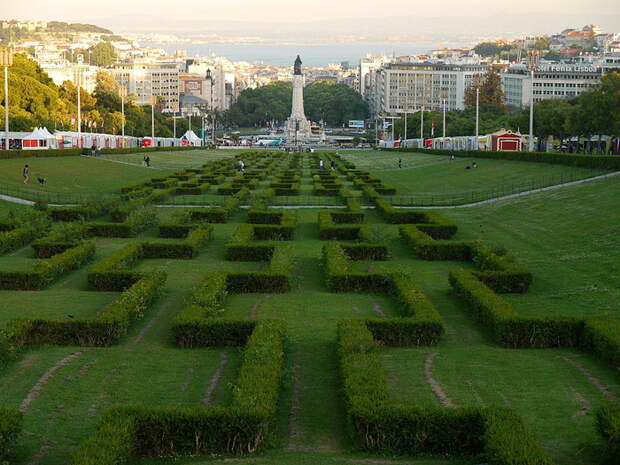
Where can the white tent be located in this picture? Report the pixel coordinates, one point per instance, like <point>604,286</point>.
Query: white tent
<point>191,138</point>
<point>39,139</point>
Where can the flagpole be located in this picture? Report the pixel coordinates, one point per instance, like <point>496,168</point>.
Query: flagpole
<point>444,119</point>
<point>477,114</point>
<point>422,125</point>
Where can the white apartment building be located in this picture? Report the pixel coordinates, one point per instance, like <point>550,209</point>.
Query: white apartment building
<point>367,72</point>
<point>405,87</point>
<point>149,81</point>
<point>551,81</point>
<point>85,74</point>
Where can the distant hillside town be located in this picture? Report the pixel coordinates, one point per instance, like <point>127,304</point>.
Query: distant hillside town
<point>547,67</point>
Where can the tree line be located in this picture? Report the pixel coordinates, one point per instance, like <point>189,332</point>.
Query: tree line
<point>35,100</point>
<point>335,104</point>
<point>594,112</point>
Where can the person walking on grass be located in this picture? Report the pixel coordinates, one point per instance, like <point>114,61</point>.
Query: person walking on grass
<point>26,173</point>
<point>147,160</point>
<point>400,163</point>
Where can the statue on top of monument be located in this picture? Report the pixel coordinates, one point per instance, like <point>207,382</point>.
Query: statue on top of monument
<point>297,66</point>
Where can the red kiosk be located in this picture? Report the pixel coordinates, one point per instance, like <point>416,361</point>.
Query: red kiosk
<point>506,141</point>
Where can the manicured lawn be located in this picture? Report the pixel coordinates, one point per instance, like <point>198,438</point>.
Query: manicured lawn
<point>426,175</point>
<point>175,161</point>
<point>568,238</point>
<point>70,178</point>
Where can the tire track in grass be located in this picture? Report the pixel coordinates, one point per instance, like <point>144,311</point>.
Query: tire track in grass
<point>475,393</point>
<point>594,381</point>
<point>378,309</point>
<point>23,367</point>
<point>165,305</point>
<point>443,398</point>
<point>586,405</point>
<point>215,380</point>
<point>257,304</point>
<point>40,384</point>
<point>294,427</point>
<point>41,453</point>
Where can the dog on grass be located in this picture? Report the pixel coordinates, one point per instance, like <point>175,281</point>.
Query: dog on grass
<point>42,181</point>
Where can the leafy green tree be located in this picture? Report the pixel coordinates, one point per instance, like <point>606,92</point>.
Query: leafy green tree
<point>490,85</point>
<point>103,54</point>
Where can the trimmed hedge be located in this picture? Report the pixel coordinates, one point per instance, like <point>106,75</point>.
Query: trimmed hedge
<point>509,328</point>
<point>127,432</point>
<point>113,273</point>
<point>46,271</point>
<point>608,425</point>
<point>497,434</point>
<point>10,426</point>
<point>496,268</point>
<point>85,211</point>
<point>329,230</point>
<point>610,162</point>
<point>196,240</point>
<point>104,330</point>
<point>421,323</point>
<point>5,154</point>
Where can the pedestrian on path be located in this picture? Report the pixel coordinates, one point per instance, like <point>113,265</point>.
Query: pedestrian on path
<point>400,163</point>
<point>26,173</point>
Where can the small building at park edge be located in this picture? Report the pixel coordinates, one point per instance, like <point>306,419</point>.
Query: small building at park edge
<point>506,141</point>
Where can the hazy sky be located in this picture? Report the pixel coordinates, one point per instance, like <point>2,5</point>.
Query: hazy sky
<point>287,10</point>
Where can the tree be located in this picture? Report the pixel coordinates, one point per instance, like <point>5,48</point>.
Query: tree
<point>550,118</point>
<point>488,49</point>
<point>490,85</point>
<point>103,54</point>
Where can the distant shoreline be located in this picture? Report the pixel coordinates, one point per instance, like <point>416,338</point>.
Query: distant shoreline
<point>283,55</point>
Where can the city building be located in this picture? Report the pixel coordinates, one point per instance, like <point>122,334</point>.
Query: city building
<point>405,87</point>
<point>551,81</point>
<point>84,74</point>
<point>150,81</point>
<point>368,67</point>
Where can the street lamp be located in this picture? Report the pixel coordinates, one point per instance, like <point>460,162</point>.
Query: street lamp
<point>477,114</point>
<point>444,120</point>
<point>80,59</point>
<point>153,98</point>
<point>6,60</point>
<point>531,145</point>
<point>209,78</point>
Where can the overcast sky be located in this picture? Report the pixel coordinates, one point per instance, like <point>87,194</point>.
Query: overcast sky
<point>287,10</point>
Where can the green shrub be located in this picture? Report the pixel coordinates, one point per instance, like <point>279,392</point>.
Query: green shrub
<point>46,271</point>
<point>507,326</point>
<point>112,273</point>
<point>10,427</point>
<point>608,425</point>
<point>5,154</point>
<point>381,427</point>
<point>104,330</point>
<point>113,442</point>
<point>328,230</point>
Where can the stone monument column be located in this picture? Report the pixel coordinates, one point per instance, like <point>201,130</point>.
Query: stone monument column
<point>297,127</point>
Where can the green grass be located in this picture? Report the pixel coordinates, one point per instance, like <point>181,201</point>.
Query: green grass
<point>69,178</point>
<point>174,160</point>
<point>568,238</point>
<point>435,179</point>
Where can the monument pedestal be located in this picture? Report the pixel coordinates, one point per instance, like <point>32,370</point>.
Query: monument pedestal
<point>297,127</point>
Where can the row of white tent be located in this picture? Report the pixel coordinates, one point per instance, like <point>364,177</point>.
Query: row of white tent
<point>42,139</point>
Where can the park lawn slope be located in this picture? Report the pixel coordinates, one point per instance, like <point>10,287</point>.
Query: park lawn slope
<point>71,176</point>
<point>432,174</point>
<point>569,238</point>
